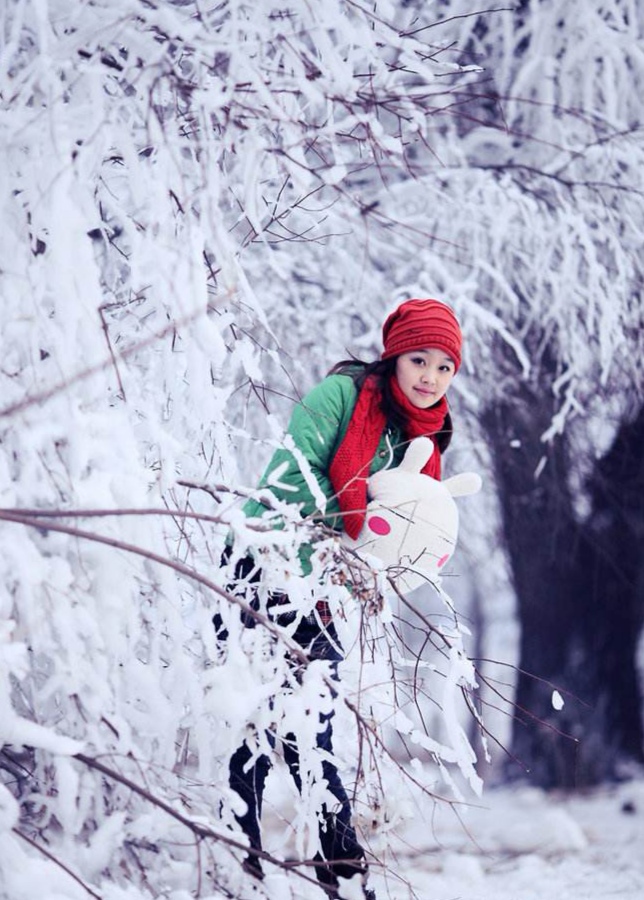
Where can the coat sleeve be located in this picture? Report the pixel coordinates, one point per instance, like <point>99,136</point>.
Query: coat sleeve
<point>299,472</point>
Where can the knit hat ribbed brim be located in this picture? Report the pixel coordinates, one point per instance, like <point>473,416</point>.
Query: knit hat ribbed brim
<point>420,325</point>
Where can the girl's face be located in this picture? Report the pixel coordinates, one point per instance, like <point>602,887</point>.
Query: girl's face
<point>424,375</point>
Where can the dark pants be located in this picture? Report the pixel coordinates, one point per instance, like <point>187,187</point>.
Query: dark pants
<point>341,854</point>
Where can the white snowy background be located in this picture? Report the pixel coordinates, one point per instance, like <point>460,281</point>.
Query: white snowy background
<point>203,207</point>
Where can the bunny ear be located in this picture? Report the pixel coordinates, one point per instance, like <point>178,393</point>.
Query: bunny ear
<point>417,454</point>
<point>464,484</point>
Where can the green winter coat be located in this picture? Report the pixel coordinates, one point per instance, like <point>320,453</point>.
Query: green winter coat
<point>317,426</point>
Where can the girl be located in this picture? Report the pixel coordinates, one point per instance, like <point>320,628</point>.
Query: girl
<point>358,420</point>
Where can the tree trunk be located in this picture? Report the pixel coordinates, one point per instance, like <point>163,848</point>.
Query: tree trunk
<point>580,599</point>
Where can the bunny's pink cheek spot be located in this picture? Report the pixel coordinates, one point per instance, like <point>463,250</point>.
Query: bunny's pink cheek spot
<point>378,525</point>
<point>443,560</point>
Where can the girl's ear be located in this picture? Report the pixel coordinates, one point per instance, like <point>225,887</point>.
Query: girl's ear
<point>464,484</point>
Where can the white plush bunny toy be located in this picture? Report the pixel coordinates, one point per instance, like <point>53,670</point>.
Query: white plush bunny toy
<point>412,519</point>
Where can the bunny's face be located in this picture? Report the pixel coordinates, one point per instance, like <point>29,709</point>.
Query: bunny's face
<point>434,554</point>
<point>416,537</point>
<point>411,521</point>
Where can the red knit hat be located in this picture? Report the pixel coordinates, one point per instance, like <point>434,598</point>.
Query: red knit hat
<point>420,324</point>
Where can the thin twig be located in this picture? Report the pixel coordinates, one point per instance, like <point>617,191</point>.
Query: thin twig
<point>478,12</point>
<point>101,311</point>
<point>56,861</point>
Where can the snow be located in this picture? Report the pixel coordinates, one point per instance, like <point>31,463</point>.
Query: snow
<point>523,843</point>
<point>514,843</point>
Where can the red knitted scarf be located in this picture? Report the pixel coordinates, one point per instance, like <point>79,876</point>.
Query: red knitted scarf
<point>350,466</point>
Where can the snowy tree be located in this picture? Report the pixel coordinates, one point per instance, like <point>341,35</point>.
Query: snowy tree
<point>169,175</point>
<point>540,208</point>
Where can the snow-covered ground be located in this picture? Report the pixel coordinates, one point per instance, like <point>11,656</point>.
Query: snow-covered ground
<point>516,844</point>
<point>524,844</point>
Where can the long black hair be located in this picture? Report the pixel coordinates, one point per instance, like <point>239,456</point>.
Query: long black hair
<point>383,369</point>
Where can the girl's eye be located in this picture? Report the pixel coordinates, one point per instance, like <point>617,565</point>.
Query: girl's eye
<point>418,360</point>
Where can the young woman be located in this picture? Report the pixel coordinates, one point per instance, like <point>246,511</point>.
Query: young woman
<point>358,420</point>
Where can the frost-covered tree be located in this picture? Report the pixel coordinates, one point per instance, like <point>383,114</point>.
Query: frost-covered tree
<point>538,205</point>
<point>569,91</point>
